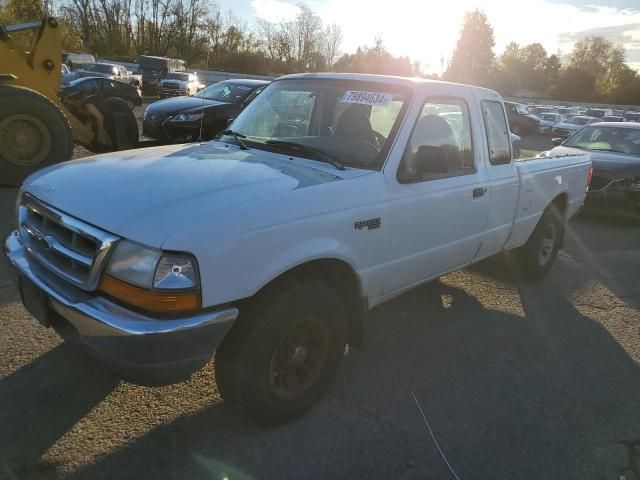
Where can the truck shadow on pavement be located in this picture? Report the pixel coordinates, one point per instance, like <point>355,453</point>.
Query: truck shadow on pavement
<point>42,401</point>
<point>516,383</point>
<point>543,394</point>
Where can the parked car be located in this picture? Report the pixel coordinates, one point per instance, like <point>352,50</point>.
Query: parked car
<point>207,112</point>
<point>615,153</point>
<point>520,120</point>
<point>112,72</point>
<point>613,118</point>
<point>599,113</point>
<point>548,120</point>
<point>516,145</point>
<point>77,61</point>
<point>573,124</point>
<point>179,84</point>
<point>153,69</point>
<point>329,194</point>
<point>66,75</point>
<point>632,116</point>
<point>82,88</point>
<point>544,109</point>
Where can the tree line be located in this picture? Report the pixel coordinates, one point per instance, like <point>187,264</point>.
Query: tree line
<point>198,32</point>
<point>595,70</point>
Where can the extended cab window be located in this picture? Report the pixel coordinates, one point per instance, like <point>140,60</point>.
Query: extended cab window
<point>440,145</point>
<point>498,137</point>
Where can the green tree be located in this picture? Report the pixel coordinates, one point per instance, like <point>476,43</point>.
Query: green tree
<point>473,57</point>
<point>603,61</point>
<point>376,59</point>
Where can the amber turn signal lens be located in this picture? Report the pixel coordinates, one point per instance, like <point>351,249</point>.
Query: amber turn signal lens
<point>149,300</point>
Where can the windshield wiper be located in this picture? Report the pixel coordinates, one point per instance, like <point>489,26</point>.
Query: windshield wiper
<point>237,136</point>
<point>300,147</point>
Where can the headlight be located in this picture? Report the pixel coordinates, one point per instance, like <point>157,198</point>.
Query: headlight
<point>151,279</point>
<point>186,117</point>
<point>134,263</point>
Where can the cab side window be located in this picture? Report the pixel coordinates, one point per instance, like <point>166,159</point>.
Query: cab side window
<point>440,144</point>
<point>498,135</point>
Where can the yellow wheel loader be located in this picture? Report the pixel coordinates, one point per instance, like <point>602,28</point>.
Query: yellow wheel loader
<point>36,128</point>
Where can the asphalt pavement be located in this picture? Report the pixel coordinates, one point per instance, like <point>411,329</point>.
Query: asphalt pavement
<point>517,381</point>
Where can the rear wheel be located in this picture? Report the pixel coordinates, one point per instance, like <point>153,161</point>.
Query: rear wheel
<point>280,357</point>
<point>537,256</point>
<point>34,133</point>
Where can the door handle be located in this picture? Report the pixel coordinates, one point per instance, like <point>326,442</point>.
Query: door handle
<point>479,192</point>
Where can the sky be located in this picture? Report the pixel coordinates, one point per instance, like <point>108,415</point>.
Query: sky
<point>427,31</point>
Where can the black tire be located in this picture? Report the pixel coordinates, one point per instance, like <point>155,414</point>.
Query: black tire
<point>537,256</point>
<point>263,371</point>
<point>49,139</point>
<point>113,110</point>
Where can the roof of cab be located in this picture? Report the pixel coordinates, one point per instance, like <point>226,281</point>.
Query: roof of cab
<point>413,82</point>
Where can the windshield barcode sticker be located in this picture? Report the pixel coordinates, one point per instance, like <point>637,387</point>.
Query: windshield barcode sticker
<point>367,98</point>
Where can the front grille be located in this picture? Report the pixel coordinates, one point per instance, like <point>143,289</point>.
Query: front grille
<point>66,246</point>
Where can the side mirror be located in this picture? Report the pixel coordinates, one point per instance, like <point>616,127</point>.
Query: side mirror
<point>431,160</point>
<point>557,141</point>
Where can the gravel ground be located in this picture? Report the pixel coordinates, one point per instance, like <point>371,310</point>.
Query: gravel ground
<point>518,381</point>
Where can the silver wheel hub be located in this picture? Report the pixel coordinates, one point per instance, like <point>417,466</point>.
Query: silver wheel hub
<point>547,244</point>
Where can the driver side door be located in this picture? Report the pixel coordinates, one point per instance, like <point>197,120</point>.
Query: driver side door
<point>437,212</point>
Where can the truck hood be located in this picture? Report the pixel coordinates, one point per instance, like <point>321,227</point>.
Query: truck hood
<point>148,194</point>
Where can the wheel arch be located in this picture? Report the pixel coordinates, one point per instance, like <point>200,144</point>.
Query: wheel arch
<point>343,277</point>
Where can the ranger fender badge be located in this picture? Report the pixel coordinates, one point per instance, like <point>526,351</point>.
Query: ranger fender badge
<point>369,224</point>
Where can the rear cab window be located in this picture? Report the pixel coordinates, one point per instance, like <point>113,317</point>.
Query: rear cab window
<point>497,130</point>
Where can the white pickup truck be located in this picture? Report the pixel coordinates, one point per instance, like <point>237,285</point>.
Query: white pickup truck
<point>329,195</point>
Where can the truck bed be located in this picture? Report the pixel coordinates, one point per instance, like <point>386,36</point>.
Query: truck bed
<point>542,180</point>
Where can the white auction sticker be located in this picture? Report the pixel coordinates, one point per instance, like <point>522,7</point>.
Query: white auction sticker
<point>367,98</point>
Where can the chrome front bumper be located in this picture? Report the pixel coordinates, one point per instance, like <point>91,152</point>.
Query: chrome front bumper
<point>141,348</point>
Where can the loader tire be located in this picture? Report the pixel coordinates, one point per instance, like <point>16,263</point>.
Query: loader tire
<point>34,133</point>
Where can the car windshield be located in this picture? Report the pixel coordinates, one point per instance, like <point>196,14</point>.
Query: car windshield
<point>97,67</point>
<point>521,109</point>
<point>609,139</point>
<point>548,116</point>
<point>228,92</point>
<point>177,76</point>
<point>352,122</point>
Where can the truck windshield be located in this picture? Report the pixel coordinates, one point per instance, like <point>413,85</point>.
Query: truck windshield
<point>352,122</point>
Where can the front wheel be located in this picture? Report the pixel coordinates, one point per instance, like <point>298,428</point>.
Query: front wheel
<point>537,256</point>
<point>280,357</point>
